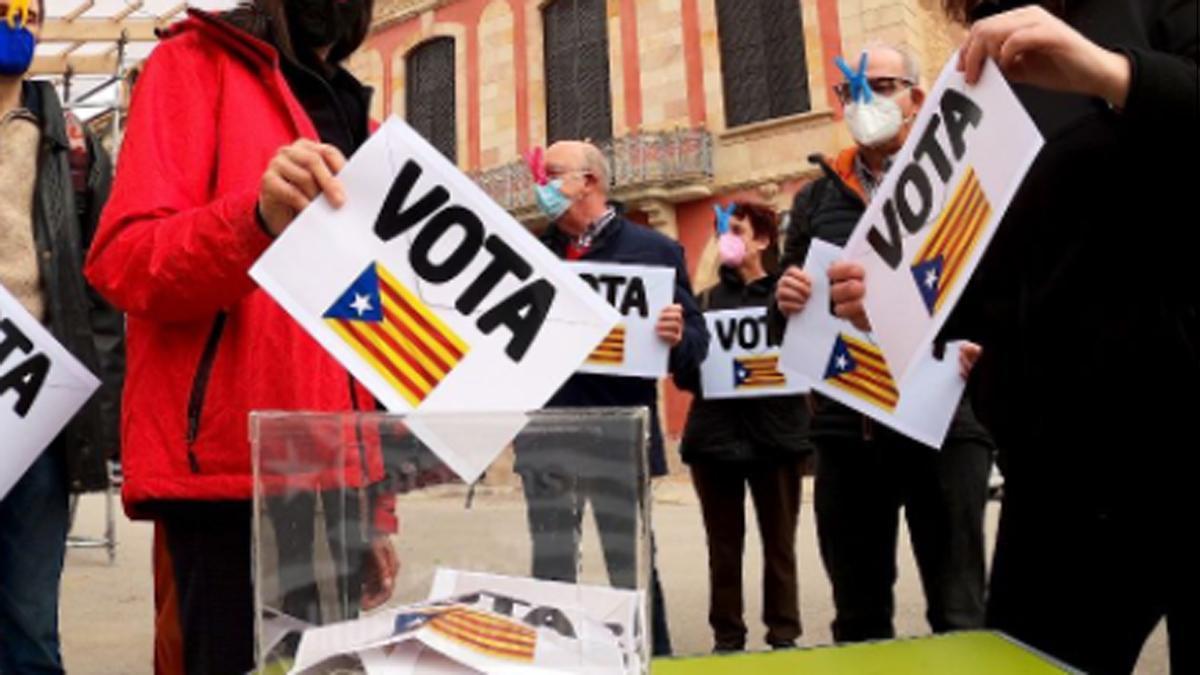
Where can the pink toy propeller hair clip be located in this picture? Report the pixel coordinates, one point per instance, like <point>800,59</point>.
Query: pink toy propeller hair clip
<point>535,159</point>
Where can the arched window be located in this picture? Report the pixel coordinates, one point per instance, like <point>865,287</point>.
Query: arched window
<point>429,94</point>
<point>762,60</point>
<point>578,102</point>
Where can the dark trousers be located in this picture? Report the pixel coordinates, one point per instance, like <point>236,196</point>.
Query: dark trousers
<point>561,473</point>
<point>860,488</point>
<point>33,541</point>
<point>209,546</point>
<point>775,488</point>
<point>1084,571</point>
<point>293,517</point>
<point>209,549</point>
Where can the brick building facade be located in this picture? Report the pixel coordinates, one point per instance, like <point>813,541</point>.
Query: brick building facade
<point>696,100</point>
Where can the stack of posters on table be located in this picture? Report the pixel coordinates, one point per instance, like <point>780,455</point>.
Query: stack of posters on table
<point>473,623</point>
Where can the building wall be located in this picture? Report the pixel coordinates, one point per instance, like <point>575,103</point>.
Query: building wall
<point>665,73</point>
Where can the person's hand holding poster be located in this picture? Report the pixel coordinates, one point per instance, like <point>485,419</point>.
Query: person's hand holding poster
<point>432,295</point>
<point>639,293</point>
<point>937,208</point>
<point>846,365</point>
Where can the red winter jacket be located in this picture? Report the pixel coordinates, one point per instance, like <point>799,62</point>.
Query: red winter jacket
<point>175,243</point>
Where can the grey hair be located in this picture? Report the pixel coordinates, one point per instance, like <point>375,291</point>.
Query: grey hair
<point>912,66</point>
<point>597,164</point>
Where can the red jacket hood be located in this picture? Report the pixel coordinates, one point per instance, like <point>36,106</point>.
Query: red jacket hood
<point>236,40</point>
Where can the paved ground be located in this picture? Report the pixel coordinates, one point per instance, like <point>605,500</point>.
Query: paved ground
<point>106,614</point>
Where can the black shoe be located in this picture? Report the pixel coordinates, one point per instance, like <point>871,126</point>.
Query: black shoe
<point>786,644</point>
<point>729,648</point>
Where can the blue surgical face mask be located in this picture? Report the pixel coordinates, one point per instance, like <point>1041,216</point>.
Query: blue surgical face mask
<point>550,199</point>
<point>16,45</point>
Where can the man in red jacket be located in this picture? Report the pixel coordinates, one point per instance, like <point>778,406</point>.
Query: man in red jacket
<point>237,123</point>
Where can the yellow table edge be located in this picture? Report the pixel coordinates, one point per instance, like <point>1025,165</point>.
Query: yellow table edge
<point>973,653</point>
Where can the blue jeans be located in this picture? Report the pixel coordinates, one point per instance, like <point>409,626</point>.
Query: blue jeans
<point>33,541</point>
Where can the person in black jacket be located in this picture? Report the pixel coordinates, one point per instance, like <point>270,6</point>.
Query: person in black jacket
<point>560,475</point>
<point>866,472</point>
<point>1086,306</point>
<point>53,184</point>
<point>757,442</point>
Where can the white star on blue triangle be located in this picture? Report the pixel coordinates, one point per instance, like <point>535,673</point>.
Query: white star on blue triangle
<point>928,275</point>
<point>361,301</point>
<point>740,373</point>
<point>840,361</point>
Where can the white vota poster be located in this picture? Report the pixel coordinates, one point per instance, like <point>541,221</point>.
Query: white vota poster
<point>639,293</point>
<point>42,386</point>
<point>482,631</point>
<point>740,362</point>
<point>845,364</point>
<point>938,207</point>
<point>431,294</point>
<point>619,611</point>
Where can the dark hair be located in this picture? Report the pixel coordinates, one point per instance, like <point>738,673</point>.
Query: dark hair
<point>765,224</point>
<point>267,20</point>
<point>967,12</point>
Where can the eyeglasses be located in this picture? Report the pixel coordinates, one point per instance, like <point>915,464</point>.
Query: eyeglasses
<point>884,86</point>
<point>553,172</point>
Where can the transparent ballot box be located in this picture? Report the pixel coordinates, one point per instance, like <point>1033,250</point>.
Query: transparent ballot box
<point>372,555</point>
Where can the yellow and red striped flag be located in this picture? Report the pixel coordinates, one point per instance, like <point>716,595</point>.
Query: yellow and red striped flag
<point>857,367</point>
<point>488,634</point>
<point>950,242</point>
<point>757,371</point>
<point>392,330</point>
<point>611,350</point>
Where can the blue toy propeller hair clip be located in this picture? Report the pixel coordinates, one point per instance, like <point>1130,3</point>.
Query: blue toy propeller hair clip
<point>723,216</point>
<point>860,89</point>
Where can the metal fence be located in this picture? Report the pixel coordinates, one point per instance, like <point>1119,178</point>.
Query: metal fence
<point>644,160</point>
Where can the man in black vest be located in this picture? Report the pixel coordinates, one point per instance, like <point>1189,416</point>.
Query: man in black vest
<point>865,471</point>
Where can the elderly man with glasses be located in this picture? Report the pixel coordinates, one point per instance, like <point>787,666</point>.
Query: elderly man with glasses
<point>866,472</point>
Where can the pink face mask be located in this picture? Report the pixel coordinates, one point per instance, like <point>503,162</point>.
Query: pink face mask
<point>730,247</point>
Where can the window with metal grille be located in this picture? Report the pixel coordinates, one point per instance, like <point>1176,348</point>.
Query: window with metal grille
<point>762,60</point>
<point>578,103</point>
<point>429,94</point>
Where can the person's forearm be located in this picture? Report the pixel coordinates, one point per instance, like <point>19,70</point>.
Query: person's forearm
<point>1113,76</point>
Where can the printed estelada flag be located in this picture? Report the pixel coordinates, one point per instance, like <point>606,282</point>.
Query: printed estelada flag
<point>857,367</point>
<point>951,242</point>
<point>757,371</point>
<point>486,633</point>
<point>391,329</point>
<point>846,365</point>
